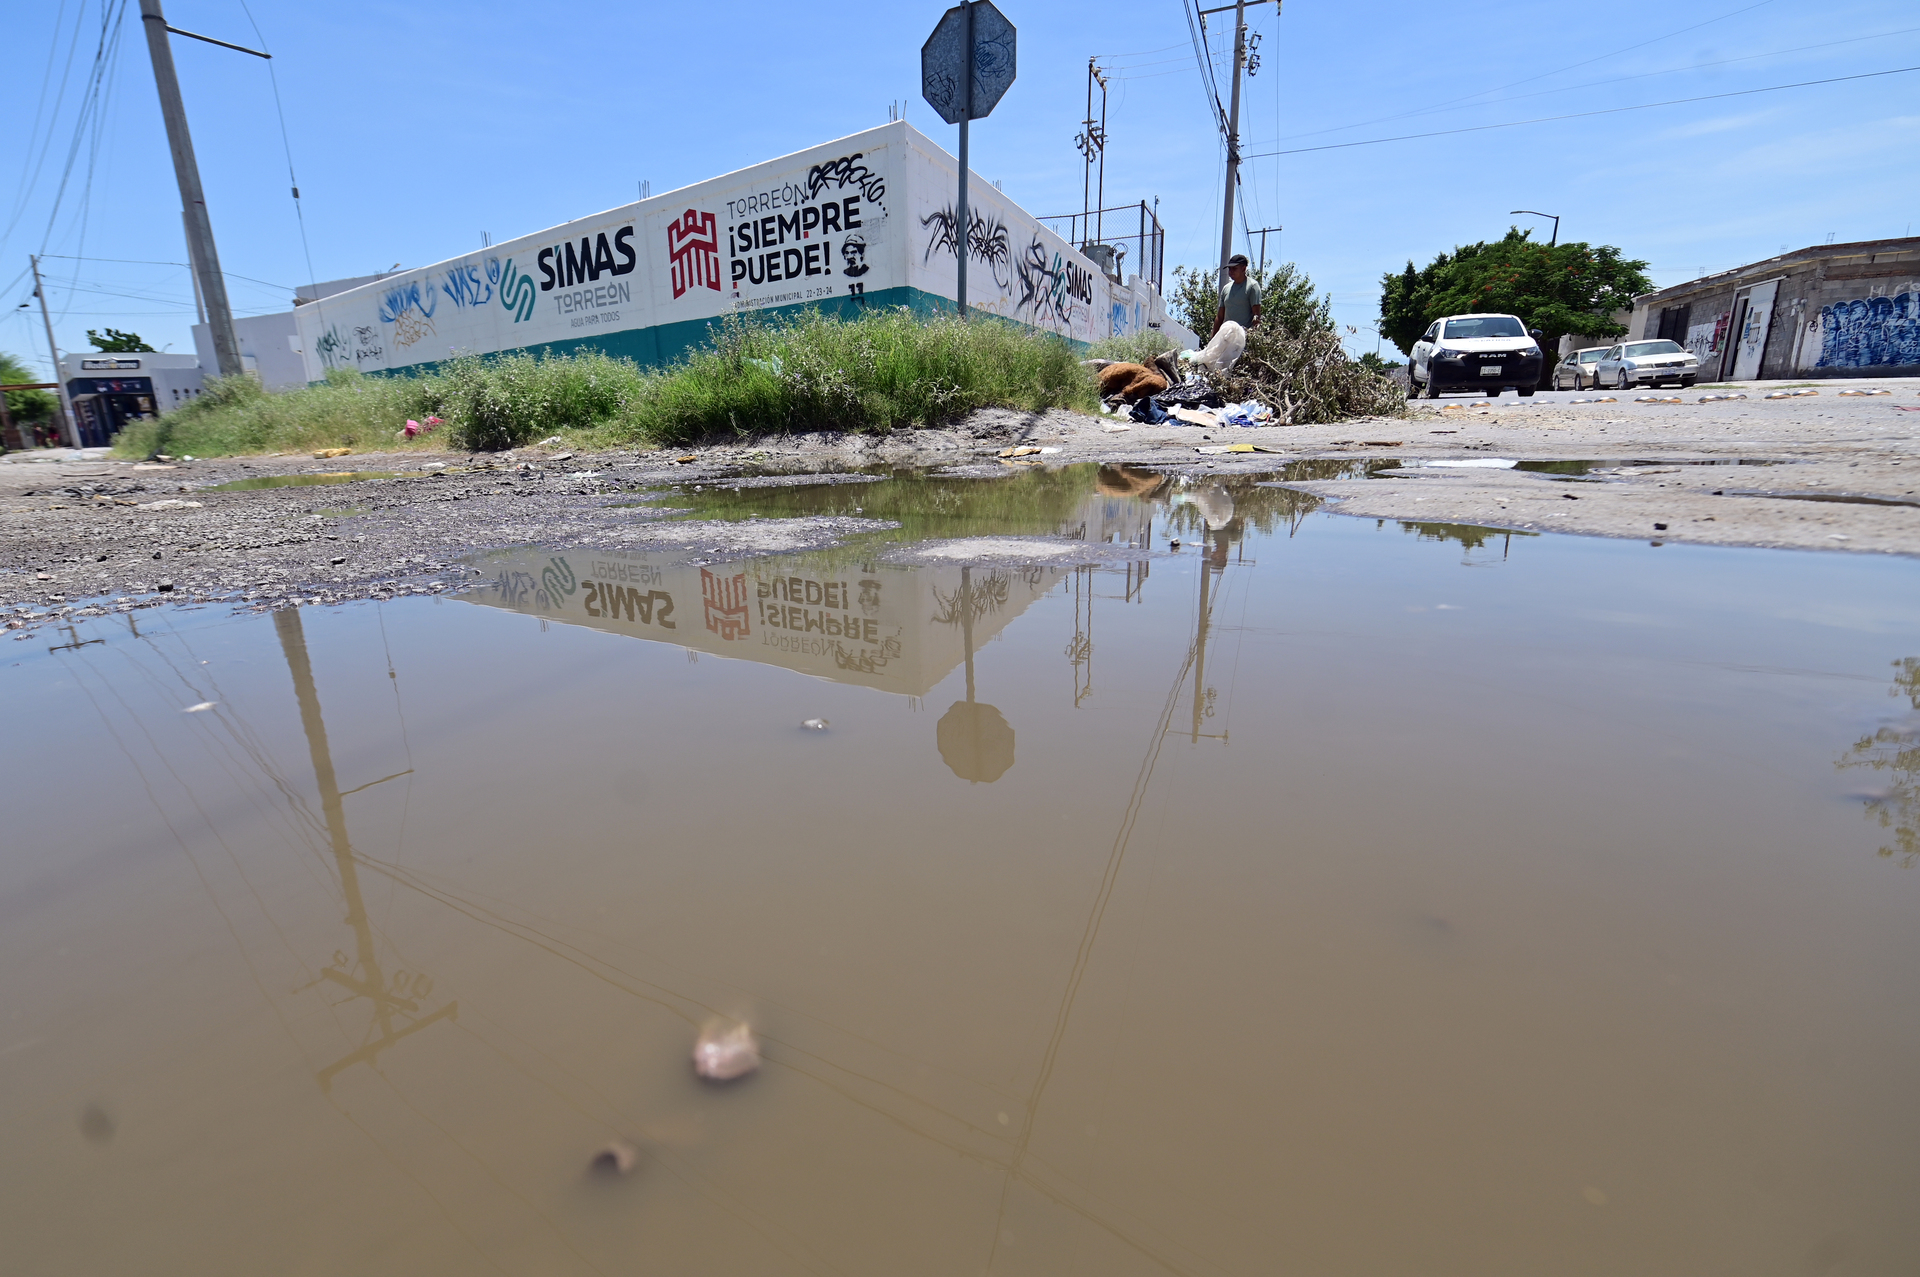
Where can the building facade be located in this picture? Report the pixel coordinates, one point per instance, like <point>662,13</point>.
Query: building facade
<point>863,222</point>
<point>1834,310</point>
<point>107,391</point>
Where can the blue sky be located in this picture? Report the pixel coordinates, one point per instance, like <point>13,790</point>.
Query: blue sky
<point>415,127</point>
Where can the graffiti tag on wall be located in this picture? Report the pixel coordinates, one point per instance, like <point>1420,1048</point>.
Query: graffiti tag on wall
<point>332,347</point>
<point>410,309</point>
<point>1049,288</point>
<point>844,172</point>
<point>987,239</point>
<point>1870,332</point>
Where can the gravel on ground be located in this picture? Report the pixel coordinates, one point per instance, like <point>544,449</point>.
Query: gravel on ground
<point>85,534</point>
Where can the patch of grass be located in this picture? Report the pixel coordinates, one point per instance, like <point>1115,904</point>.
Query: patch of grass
<point>1134,348</point>
<point>882,371</point>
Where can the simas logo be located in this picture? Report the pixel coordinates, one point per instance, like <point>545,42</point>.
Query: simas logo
<point>516,292</point>
<point>693,251</point>
<point>568,265</point>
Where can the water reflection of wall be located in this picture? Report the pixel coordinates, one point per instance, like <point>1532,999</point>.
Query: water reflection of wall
<point>880,625</point>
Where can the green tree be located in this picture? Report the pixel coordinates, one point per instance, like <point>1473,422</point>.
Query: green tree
<point>1374,363</point>
<point>115,342</point>
<point>1559,289</point>
<point>1286,299</point>
<point>26,407</point>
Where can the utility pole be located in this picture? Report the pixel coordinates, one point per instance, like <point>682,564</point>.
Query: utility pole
<point>1262,233</point>
<point>1092,143</point>
<point>1239,10</point>
<point>1233,137</point>
<point>193,199</point>
<point>193,273</point>
<point>67,418</point>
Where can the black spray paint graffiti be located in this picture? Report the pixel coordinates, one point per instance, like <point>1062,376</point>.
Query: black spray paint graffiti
<point>1049,289</point>
<point>844,172</point>
<point>987,239</point>
<point>332,347</point>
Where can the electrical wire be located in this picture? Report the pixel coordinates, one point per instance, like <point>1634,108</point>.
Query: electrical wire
<point>1595,84</point>
<point>286,144</point>
<point>30,179</point>
<point>1581,115</point>
<point>1569,67</point>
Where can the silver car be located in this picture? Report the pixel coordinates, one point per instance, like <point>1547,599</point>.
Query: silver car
<point>1576,371</point>
<point>1646,363</point>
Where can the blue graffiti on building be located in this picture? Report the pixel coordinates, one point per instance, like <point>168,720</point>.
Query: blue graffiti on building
<point>516,290</point>
<point>1870,332</point>
<point>465,286</point>
<point>1049,289</point>
<point>401,299</point>
<point>409,308</point>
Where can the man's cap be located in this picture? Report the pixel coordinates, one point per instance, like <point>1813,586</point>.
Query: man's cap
<point>1238,259</point>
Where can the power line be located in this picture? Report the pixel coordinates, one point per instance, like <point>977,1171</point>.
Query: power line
<point>1617,79</point>
<point>286,144</point>
<point>1573,66</point>
<point>1581,115</point>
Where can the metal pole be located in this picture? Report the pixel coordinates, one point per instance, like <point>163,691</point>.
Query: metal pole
<point>1100,192</point>
<point>1140,263</point>
<point>193,273</point>
<point>1233,137</point>
<point>1086,173</point>
<point>193,200</point>
<point>67,418</point>
<point>960,214</point>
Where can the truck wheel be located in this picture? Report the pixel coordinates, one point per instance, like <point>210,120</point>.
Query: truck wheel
<point>1526,392</point>
<point>1433,384</point>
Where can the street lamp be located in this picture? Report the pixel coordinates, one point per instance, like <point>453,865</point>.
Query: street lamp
<point>1556,222</point>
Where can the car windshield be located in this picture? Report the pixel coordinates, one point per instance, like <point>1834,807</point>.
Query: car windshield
<point>1591,356</point>
<point>1486,326</point>
<point>1654,348</point>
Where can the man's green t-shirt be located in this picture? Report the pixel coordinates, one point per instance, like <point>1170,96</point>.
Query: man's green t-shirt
<point>1238,300</point>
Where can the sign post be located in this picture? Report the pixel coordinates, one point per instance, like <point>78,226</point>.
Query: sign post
<point>966,66</point>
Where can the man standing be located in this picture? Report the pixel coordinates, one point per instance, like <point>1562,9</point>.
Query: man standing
<point>1240,299</point>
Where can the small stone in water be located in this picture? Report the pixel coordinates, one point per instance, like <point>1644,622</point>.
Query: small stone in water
<point>617,1158</point>
<point>816,724</point>
<point>722,1053</point>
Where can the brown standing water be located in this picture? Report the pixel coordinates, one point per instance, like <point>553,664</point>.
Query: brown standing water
<point>1324,897</point>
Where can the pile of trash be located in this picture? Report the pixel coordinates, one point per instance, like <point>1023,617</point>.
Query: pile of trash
<point>1263,378</point>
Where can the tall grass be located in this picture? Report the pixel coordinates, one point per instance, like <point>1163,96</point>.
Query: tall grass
<point>879,372</point>
<point>1133,348</point>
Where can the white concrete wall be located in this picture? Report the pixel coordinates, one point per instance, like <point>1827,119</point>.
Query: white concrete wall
<point>849,223</point>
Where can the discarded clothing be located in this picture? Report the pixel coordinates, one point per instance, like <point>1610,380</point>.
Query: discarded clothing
<point>1149,412</point>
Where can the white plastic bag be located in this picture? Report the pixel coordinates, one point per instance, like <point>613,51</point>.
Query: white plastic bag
<point>1223,351</point>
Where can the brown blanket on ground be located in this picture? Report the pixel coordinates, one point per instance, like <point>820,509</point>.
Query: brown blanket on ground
<point>1132,381</point>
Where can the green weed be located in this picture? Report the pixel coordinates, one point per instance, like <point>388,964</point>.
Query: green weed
<point>883,371</point>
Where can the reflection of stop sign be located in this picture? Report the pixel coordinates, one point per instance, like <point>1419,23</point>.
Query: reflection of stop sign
<point>976,741</point>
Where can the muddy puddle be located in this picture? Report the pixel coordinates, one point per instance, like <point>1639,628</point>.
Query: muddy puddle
<point>1324,896</point>
<point>299,480</point>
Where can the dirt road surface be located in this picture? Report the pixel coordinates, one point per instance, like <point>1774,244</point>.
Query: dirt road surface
<point>85,534</point>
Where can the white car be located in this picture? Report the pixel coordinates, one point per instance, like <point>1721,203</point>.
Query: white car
<point>1475,354</point>
<point>1577,370</point>
<point>1646,363</point>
